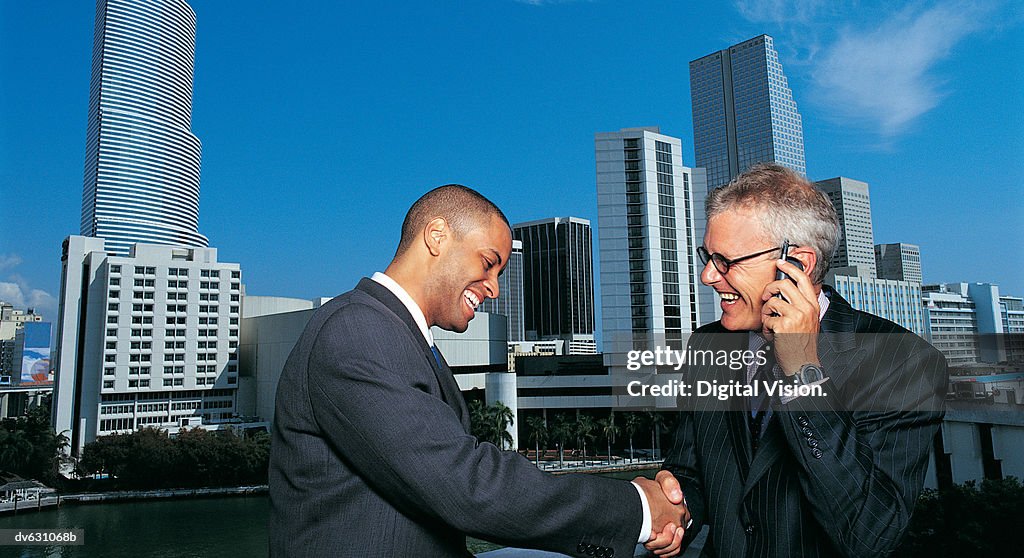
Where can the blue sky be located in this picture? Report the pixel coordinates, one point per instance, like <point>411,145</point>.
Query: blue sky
<point>321,122</point>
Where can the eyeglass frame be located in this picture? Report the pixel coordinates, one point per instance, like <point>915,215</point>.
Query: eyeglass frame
<point>706,257</point>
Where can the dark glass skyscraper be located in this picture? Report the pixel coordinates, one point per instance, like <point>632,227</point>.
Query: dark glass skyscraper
<point>558,278</point>
<point>510,294</point>
<point>142,160</point>
<point>744,112</point>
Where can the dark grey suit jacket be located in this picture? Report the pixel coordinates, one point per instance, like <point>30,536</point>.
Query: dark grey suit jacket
<point>833,476</point>
<point>372,454</point>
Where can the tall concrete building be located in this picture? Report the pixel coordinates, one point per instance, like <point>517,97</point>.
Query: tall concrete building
<point>650,222</point>
<point>854,270</point>
<point>898,261</point>
<point>852,201</point>
<point>510,295</point>
<point>141,159</point>
<point>744,112</point>
<point>146,339</point>
<point>558,281</point>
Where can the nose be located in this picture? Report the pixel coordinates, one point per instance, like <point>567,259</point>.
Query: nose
<point>491,284</point>
<point>710,274</point>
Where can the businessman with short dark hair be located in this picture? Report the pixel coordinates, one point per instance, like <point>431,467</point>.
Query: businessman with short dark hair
<point>372,453</point>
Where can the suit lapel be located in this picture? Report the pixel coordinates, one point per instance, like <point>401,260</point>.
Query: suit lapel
<point>836,343</point>
<point>449,387</point>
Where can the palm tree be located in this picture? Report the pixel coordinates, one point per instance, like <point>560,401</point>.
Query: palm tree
<point>608,428</point>
<point>584,429</point>
<point>633,423</point>
<point>479,425</point>
<point>657,421</point>
<point>501,419</point>
<point>560,432</point>
<point>538,434</point>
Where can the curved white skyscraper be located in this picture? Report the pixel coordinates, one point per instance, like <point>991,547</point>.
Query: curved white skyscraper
<point>142,160</point>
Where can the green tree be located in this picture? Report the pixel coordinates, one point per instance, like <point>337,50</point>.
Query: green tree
<point>148,458</point>
<point>584,428</point>
<point>30,448</point>
<point>633,425</point>
<point>490,423</point>
<point>561,430</point>
<point>656,421</point>
<point>609,430</point>
<point>502,419</point>
<point>538,434</point>
<point>966,520</point>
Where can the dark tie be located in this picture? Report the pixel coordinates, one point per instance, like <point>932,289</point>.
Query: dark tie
<point>437,355</point>
<point>760,404</point>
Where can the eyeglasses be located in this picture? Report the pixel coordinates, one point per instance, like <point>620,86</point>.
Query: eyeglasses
<point>722,263</point>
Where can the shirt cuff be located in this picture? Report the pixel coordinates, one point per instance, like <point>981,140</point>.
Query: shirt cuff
<point>645,527</point>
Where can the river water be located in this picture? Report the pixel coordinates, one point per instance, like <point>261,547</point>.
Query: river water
<point>233,526</point>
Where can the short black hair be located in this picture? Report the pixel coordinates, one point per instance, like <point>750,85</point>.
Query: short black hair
<point>460,206</point>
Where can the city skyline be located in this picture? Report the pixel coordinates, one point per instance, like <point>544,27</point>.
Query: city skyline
<point>290,147</point>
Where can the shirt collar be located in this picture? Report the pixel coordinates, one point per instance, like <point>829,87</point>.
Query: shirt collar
<point>410,304</point>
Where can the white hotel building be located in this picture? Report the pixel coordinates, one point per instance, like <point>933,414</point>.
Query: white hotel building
<point>148,339</point>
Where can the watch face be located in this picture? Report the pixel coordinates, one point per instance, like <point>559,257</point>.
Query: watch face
<point>810,374</point>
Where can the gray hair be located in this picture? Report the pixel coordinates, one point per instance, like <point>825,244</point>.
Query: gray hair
<point>788,206</point>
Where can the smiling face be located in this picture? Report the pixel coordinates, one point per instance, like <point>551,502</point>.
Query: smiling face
<point>734,234</point>
<point>468,273</point>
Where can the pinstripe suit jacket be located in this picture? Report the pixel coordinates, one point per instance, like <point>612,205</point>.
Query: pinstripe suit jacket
<point>372,455</point>
<point>833,476</point>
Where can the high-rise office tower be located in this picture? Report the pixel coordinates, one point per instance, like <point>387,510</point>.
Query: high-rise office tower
<point>146,339</point>
<point>744,112</point>
<point>856,240</point>
<point>650,222</point>
<point>853,269</point>
<point>558,280</point>
<point>510,294</point>
<point>898,261</point>
<point>141,159</point>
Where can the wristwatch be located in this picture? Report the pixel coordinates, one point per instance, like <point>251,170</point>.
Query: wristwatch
<point>808,374</point>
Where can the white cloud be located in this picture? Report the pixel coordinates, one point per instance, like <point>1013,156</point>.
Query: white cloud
<point>885,77</point>
<point>18,292</point>
<point>877,69</point>
<point>9,261</point>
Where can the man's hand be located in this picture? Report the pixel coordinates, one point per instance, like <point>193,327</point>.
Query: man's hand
<point>668,514</point>
<point>791,322</point>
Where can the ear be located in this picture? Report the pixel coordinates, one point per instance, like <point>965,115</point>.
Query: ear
<point>806,256</point>
<point>435,234</point>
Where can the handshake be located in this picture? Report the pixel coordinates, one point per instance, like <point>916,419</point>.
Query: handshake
<point>669,516</point>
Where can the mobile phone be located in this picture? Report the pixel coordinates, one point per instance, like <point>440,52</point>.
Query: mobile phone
<point>779,274</point>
